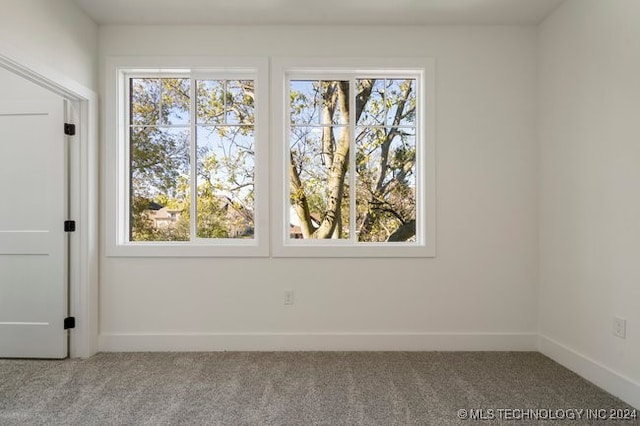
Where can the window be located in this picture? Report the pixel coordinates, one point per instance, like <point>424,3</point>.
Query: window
<point>161,143</point>
<point>355,158</point>
<point>191,171</point>
<point>187,161</point>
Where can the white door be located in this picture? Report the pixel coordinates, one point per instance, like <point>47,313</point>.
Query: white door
<point>33,244</point>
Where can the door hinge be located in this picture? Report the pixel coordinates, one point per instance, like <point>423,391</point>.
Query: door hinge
<point>69,226</point>
<point>69,129</point>
<point>69,322</point>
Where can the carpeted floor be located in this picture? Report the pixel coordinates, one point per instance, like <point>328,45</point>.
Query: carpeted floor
<point>294,388</point>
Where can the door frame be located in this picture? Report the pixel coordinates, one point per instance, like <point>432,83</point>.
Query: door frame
<point>83,196</point>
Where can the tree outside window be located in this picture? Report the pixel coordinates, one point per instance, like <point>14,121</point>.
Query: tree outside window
<point>191,139</point>
<point>373,119</point>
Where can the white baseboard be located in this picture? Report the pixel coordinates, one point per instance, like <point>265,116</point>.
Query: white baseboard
<point>111,342</point>
<point>623,387</point>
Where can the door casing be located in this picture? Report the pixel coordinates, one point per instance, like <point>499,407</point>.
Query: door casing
<point>83,193</point>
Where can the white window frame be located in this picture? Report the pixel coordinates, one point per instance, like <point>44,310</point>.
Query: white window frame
<point>116,135</point>
<point>285,69</point>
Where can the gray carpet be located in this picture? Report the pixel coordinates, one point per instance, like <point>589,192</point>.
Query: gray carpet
<point>290,388</point>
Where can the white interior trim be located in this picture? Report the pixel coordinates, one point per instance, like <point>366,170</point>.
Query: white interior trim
<point>617,384</point>
<point>114,342</point>
<point>83,286</point>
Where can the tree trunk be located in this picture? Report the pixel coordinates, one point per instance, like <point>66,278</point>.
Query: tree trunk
<point>404,232</point>
<point>338,170</point>
<point>299,201</point>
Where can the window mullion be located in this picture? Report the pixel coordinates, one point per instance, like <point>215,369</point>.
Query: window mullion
<point>193,161</point>
<point>352,160</point>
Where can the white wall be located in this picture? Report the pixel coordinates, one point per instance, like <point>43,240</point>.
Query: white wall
<point>589,74</point>
<point>479,293</point>
<point>54,33</point>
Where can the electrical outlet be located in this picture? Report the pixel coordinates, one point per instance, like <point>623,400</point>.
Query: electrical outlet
<point>288,297</point>
<point>620,327</point>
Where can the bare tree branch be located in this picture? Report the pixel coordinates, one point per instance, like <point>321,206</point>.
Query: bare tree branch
<point>404,232</point>
<point>299,201</point>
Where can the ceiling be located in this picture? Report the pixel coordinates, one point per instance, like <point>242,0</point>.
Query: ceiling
<point>319,12</point>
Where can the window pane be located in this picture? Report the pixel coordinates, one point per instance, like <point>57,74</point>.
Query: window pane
<point>319,193</point>
<point>175,101</point>
<point>319,102</point>
<point>145,100</point>
<point>159,193</point>
<point>226,102</point>
<point>334,105</point>
<point>400,99</point>
<point>370,102</point>
<point>210,101</point>
<point>226,193</point>
<point>240,102</point>
<point>303,96</point>
<point>385,184</point>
